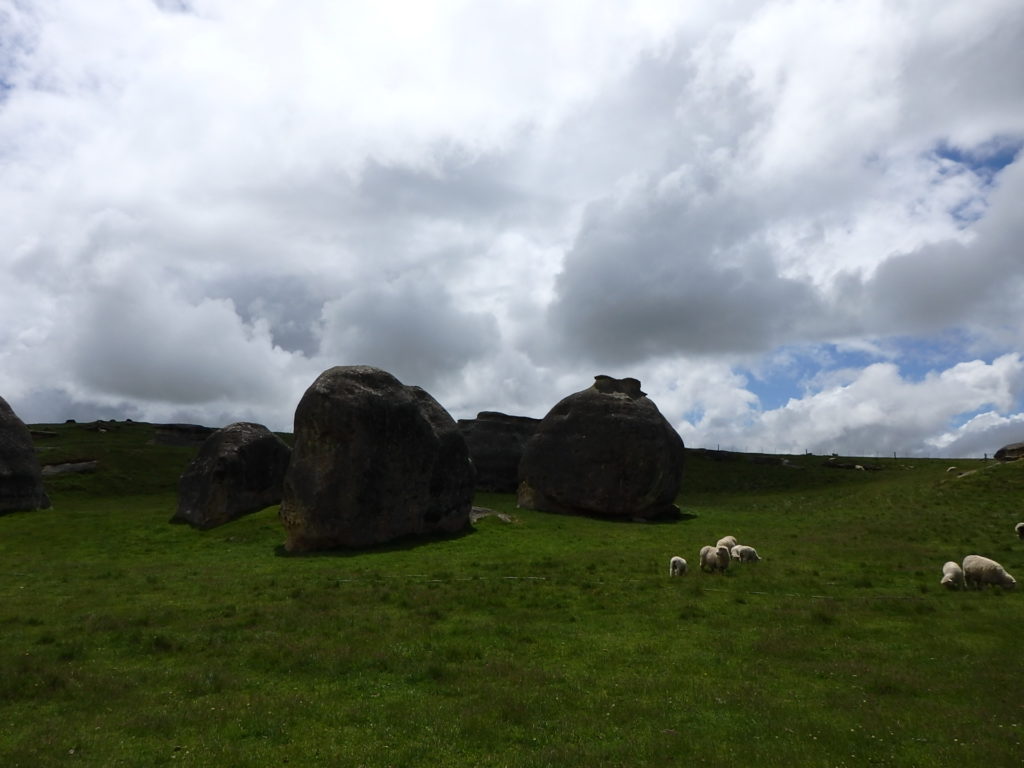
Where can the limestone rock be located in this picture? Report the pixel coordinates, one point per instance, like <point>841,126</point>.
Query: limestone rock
<point>374,461</point>
<point>1010,452</point>
<point>607,452</point>
<point>21,482</point>
<point>496,442</point>
<point>239,469</point>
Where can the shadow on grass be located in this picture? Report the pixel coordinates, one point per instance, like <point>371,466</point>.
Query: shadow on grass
<point>403,544</point>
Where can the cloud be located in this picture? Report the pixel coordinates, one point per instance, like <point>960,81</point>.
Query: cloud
<point>409,327</point>
<point>206,205</point>
<point>876,411</point>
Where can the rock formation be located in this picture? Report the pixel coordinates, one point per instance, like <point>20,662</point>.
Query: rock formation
<point>374,461</point>
<point>1010,452</point>
<point>239,469</point>
<point>607,452</point>
<point>496,442</point>
<point>21,482</point>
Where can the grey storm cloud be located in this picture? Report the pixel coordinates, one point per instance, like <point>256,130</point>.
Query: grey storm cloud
<point>410,327</point>
<point>657,277</point>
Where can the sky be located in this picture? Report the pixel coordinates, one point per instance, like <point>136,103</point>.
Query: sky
<point>797,222</point>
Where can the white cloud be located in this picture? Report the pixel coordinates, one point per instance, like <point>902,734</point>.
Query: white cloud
<point>498,201</point>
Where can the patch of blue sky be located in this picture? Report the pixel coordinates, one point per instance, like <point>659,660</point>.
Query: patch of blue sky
<point>985,160</point>
<point>795,372</point>
<point>962,418</point>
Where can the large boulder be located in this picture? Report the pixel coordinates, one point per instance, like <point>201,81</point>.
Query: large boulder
<point>496,442</point>
<point>374,461</point>
<point>1010,452</point>
<point>21,481</point>
<point>606,452</point>
<point>239,469</point>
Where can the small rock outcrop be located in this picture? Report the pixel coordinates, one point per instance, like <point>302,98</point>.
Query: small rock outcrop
<point>180,434</point>
<point>1010,452</point>
<point>21,481</point>
<point>239,469</point>
<point>606,452</point>
<point>496,443</point>
<point>374,461</point>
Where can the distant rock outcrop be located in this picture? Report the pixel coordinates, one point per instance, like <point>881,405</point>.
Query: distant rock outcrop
<point>1010,452</point>
<point>606,451</point>
<point>374,461</point>
<point>496,442</point>
<point>180,434</point>
<point>21,482</point>
<point>240,469</point>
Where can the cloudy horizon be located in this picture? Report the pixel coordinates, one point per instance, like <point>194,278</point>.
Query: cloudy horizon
<point>796,222</point>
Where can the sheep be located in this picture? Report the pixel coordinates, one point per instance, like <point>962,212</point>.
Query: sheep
<point>951,469</point>
<point>1019,528</point>
<point>745,554</point>
<point>677,566</point>
<point>722,553</point>
<point>952,576</point>
<point>858,467</point>
<point>726,541</point>
<point>708,558</point>
<point>979,571</point>
<point>714,558</point>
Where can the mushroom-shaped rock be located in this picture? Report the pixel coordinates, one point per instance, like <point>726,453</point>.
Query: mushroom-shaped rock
<point>606,452</point>
<point>239,469</point>
<point>21,480</point>
<point>496,442</point>
<point>374,460</point>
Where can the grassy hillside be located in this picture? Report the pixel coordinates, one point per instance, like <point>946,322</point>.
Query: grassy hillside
<point>546,641</point>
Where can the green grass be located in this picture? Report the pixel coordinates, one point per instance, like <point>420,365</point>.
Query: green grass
<point>548,641</point>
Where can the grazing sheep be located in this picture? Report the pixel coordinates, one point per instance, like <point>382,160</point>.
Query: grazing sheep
<point>708,558</point>
<point>858,467</point>
<point>722,553</point>
<point>1019,528</point>
<point>745,554</point>
<point>951,469</point>
<point>714,558</point>
<point>979,571</point>
<point>677,566</point>
<point>726,541</point>
<point>952,576</point>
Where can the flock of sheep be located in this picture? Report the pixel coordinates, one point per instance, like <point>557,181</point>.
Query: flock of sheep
<point>976,571</point>
<point>716,558</point>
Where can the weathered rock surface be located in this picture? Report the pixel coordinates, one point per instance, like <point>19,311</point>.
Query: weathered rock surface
<point>239,469</point>
<point>496,443</point>
<point>374,461</point>
<point>1010,452</point>
<point>21,482</point>
<point>607,452</point>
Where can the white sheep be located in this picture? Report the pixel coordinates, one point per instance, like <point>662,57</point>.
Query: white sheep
<point>677,566</point>
<point>745,554</point>
<point>979,571</point>
<point>1019,528</point>
<point>722,553</point>
<point>952,576</point>
<point>726,541</point>
<point>714,558</point>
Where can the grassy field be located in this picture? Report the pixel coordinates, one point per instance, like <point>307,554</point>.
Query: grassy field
<point>545,641</point>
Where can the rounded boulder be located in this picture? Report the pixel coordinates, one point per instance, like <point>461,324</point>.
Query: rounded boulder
<point>605,452</point>
<point>374,461</point>
<point>239,469</point>
<point>21,478</point>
